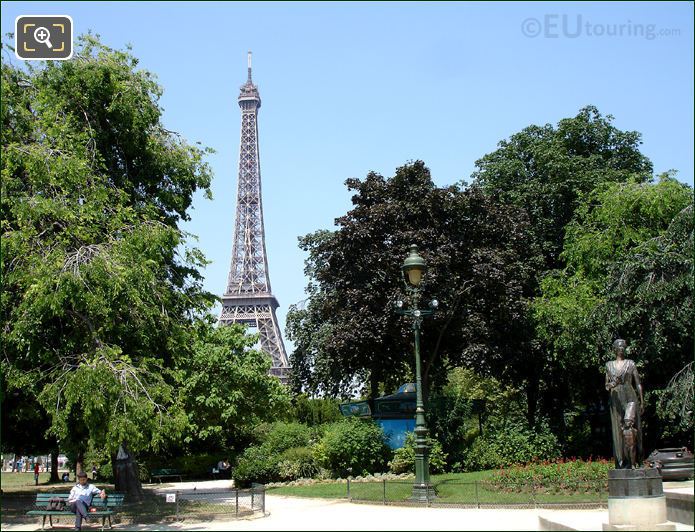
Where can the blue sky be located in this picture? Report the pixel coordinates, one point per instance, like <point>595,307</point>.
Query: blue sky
<point>353,87</point>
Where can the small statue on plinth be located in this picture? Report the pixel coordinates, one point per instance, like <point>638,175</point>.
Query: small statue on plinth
<point>626,405</point>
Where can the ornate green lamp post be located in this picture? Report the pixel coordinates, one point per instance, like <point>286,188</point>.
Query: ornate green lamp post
<point>413,269</point>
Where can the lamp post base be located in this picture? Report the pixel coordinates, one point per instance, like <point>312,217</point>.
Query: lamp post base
<point>423,493</point>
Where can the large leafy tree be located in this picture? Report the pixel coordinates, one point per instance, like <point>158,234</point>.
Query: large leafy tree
<point>99,293</point>
<point>628,273</point>
<point>612,222</point>
<point>546,169</point>
<point>649,301</point>
<point>479,265</point>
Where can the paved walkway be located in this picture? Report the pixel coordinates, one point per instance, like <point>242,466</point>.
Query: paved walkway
<point>294,513</point>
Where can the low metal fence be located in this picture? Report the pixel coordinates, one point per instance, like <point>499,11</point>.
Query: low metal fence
<point>236,502</point>
<point>483,494</point>
<point>160,505</point>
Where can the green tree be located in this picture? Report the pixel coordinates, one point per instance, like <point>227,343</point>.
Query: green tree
<point>628,255</point>
<point>458,411</point>
<point>99,293</point>
<point>546,170</point>
<point>226,389</point>
<point>610,224</point>
<point>478,268</point>
<point>676,402</point>
<point>649,301</point>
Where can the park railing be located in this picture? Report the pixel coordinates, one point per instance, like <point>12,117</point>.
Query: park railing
<point>161,505</point>
<point>483,494</point>
<point>235,502</point>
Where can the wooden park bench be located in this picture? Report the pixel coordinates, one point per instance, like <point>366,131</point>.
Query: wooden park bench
<point>159,474</point>
<point>105,508</point>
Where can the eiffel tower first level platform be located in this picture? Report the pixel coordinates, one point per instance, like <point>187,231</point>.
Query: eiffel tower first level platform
<point>248,298</point>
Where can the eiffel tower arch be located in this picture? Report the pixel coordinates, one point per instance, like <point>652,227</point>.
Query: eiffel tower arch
<point>248,298</point>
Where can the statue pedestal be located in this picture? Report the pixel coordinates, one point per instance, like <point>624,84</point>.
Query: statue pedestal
<point>636,501</point>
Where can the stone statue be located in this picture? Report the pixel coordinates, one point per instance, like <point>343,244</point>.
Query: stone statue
<point>626,405</point>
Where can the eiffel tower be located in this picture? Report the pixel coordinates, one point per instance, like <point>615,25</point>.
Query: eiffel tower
<point>248,298</point>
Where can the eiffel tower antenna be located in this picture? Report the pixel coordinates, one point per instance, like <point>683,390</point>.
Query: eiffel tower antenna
<point>249,80</point>
<point>248,298</point>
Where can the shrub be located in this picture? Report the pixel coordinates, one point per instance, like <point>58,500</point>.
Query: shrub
<point>510,443</point>
<point>105,473</point>
<point>404,458</point>
<point>260,432</point>
<point>297,462</point>
<point>352,447</point>
<point>255,465</point>
<point>282,436</point>
<point>283,454</point>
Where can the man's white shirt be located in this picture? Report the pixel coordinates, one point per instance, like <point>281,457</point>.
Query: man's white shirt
<point>84,493</point>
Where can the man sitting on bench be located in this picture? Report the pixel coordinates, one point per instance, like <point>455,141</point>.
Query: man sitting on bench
<point>80,498</point>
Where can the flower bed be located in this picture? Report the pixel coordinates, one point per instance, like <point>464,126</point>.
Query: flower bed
<point>558,476</point>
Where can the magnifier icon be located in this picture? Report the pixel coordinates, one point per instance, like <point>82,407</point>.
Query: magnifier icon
<point>42,35</point>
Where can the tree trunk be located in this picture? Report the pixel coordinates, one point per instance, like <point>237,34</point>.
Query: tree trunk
<point>79,463</point>
<point>54,465</point>
<point>373,384</point>
<point>126,477</point>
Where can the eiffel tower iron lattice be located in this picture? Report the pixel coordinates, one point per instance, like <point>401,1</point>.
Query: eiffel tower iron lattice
<point>248,298</point>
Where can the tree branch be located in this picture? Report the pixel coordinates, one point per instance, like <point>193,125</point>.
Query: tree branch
<point>435,352</point>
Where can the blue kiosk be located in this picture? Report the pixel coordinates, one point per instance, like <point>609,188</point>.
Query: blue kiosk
<point>395,413</point>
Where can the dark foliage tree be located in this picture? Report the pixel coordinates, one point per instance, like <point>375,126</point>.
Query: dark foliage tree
<point>479,265</point>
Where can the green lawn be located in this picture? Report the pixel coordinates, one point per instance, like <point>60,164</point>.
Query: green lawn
<point>24,483</point>
<point>453,488</point>
<point>336,490</point>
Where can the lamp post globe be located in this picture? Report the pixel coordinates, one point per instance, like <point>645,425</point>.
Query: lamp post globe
<point>413,268</point>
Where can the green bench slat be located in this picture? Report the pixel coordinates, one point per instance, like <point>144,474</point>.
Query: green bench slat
<point>105,508</point>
